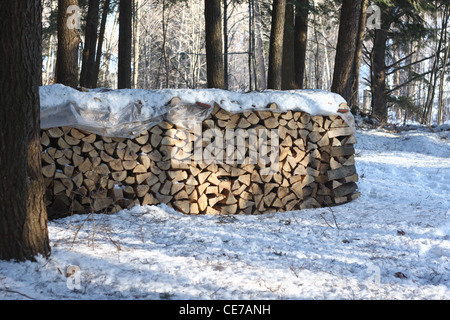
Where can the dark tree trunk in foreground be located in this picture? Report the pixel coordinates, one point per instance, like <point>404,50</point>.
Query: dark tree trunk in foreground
<point>90,42</point>
<point>214,47</point>
<point>276,45</point>
<point>125,35</point>
<point>68,41</point>
<point>346,47</point>
<point>288,77</point>
<point>23,214</point>
<point>300,41</point>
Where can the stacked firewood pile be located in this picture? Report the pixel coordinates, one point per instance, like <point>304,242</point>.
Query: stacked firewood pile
<point>315,166</point>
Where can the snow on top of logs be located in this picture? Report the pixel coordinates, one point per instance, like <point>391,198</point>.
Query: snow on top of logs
<point>128,112</point>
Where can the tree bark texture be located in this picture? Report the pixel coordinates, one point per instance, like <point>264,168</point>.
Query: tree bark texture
<point>300,41</point>
<point>251,36</point>
<point>346,46</point>
<point>259,49</point>
<point>378,67</point>
<point>288,76</point>
<point>68,42</point>
<point>125,35</point>
<point>441,106</point>
<point>378,76</point>
<point>354,81</point>
<point>225,43</point>
<point>90,43</point>
<point>214,46</point>
<point>276,45</point>
<point>101,38</point>
<point>23,215</point>
<point>136,42</point>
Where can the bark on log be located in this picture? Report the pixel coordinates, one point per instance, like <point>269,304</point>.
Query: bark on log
<point>316,166</point>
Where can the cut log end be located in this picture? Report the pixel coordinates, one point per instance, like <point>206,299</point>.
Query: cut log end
<point>316,167</point>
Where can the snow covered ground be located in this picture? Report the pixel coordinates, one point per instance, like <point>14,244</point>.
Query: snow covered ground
<point>391,243</point>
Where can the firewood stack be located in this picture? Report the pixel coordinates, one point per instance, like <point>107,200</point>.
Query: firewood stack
<point>85,172</point>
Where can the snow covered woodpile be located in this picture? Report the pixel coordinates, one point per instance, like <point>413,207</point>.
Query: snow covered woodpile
<point>252,162</point>
<point>316,167</point>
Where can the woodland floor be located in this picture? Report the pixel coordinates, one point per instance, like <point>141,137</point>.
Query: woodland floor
<point>391,243</point>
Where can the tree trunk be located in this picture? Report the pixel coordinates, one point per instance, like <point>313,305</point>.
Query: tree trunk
<point>136,43</point>
<point>90,42</point>
<point>107,81</point>
<point>427,113</point>
<point>300,41</point>
<point>164,44</point>
<point>441,105</point>
<point>253,39</point>
<point>378,76</point>
<point>250,44</point>
<point>326,76</point>
<point>426,116</point>
<point>346,46</point>
<point>316,54</point>
<point>101,37</point>
<point>288,71</point>
<point>23,214</point>
<point>354,82</point>
<point>68,41</point>
<point>225,43</point>
<point>259,49</point>
<point>49,61</point>
<point>214,47</point>
<point>49,74</point>
<point>276,45</point>
<point>125,35</point>
<point>408,89</point>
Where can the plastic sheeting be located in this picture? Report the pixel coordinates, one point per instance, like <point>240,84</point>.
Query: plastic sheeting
<point>103,121</point>
<point>127,113</point>
<point>115,113</point>
<point>127,123</point>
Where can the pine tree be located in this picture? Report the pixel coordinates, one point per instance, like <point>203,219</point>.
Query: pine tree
<point>353,83</point>
<point>90,42</point>
<point>400,22</point>
<point>288,73</point>
<point>68,43</point>
<point>274,76</point>
<point>23,214</point>
<point>214,47</point>
<point>101,38</point>
<point>346,46</point>
<point>125,37</point>
<point>300,41</point>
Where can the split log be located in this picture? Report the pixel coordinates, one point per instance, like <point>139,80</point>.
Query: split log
<point>345,189</point>
<point>316,166</point>
<point>342,172</point>
<point>339,132</point>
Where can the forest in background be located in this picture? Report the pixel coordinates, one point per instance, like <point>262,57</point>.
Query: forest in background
<point>392,61</point>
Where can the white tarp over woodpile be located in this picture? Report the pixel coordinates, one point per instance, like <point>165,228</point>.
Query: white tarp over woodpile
<point>128,112</point>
